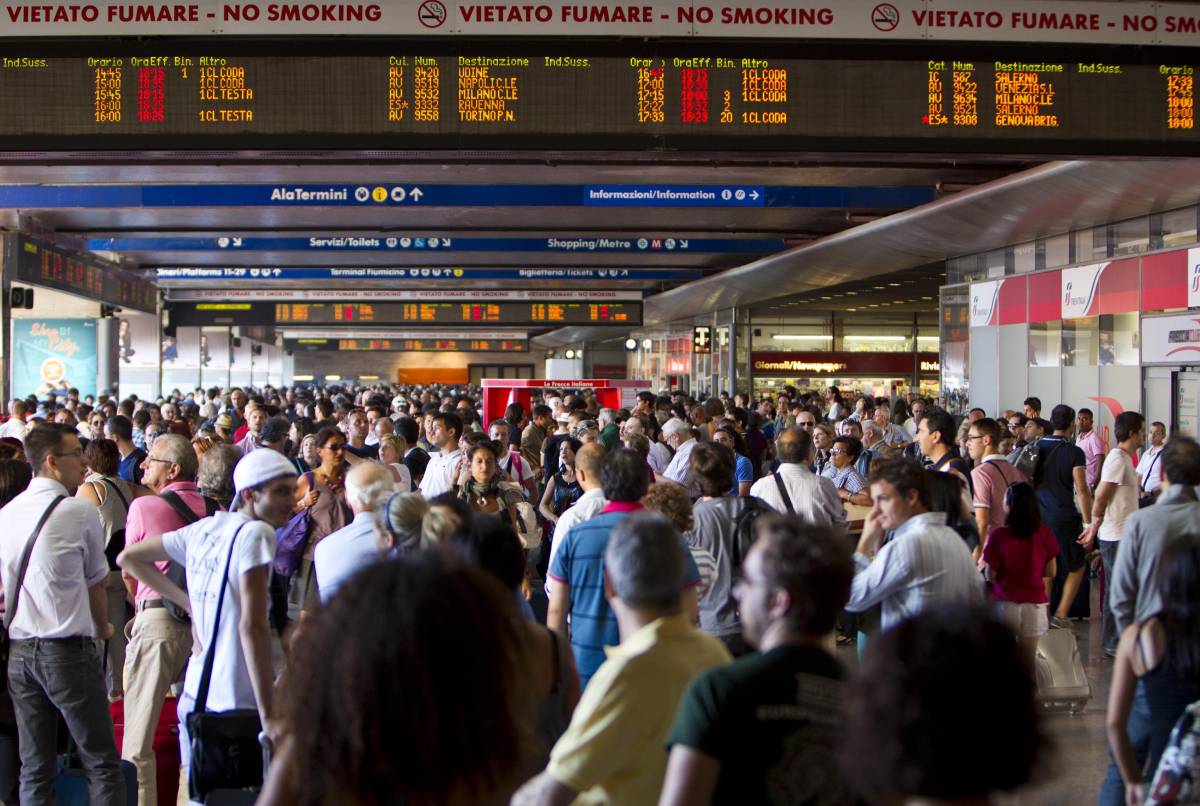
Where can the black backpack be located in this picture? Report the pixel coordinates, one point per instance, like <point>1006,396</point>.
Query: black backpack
<point>743,528</point>
<point>176,572</point>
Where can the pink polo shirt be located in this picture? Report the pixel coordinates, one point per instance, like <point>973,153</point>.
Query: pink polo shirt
<point>150,516</point>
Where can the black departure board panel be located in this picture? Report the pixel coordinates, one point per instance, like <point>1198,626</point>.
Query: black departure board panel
<point>463,345</point>
<point>458,313</point>
<point>449,95</point>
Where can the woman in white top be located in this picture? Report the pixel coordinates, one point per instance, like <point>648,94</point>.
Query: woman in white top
<point>392,448</point>
<point>112,495</point>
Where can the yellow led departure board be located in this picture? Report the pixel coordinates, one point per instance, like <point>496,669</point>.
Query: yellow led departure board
<point>463,345</point>
<point>455,313</point>
<point>403,93</point>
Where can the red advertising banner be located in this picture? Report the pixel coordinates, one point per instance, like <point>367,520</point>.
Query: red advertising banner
<point>1045,300</point>
<point>1117,291</point>
<point>1013,305</point>
<point>1165,281</point>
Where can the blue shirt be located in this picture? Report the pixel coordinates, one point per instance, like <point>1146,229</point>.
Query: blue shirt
<point>743,472</point>
<point>342,554</point>
<point>579,563</point>
<point>130,468</point>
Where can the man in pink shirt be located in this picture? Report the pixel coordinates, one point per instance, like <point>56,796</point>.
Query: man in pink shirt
<point>1090,443</point>
<point>990,478</point>
<point>160,644</point>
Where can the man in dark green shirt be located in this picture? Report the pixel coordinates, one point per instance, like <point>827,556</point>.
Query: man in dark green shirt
<point>764,729</point>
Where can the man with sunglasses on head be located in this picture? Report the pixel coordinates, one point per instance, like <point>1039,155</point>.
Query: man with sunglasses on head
<point>991,476</point>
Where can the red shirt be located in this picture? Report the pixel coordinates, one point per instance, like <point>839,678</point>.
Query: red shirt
<point>1015,564</point>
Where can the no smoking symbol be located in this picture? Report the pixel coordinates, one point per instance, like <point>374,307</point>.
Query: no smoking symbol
<point>885,17</point>
<point>432,13</point>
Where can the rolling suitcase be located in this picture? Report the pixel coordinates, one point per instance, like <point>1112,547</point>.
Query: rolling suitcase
<point>166,747</point>
<point>1062,684</point>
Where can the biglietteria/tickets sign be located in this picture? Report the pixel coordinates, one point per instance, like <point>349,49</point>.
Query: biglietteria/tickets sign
<point>1019,21</point>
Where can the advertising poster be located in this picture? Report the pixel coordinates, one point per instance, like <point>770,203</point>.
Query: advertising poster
<point>54,355</point>
<point>181,359</point>
<point>137,354</point>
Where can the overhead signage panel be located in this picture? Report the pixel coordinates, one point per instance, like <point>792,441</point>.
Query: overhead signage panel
<point>212,314</point>
<point>690,95</point>
<point>462,344</point>
<point>206,274</point>
<point>429,242</point>
<point>51,266</point>
<point>453,313</point>
<point>424,195</point>
<point>1143,23</point>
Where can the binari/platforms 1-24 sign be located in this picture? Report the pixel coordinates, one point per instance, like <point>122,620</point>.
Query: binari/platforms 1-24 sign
<point>1018,21</point>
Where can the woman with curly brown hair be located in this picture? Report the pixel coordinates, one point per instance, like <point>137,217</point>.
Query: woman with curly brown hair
<point>383,706</point>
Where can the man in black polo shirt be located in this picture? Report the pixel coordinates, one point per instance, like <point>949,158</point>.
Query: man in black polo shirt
<point>1060,476</point>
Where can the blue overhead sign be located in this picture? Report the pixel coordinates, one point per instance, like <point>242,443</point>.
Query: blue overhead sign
<point>426,243</point>
<point>206,274</point>
<point>423,195</point>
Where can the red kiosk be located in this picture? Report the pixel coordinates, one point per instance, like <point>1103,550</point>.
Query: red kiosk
<point>498,393</point>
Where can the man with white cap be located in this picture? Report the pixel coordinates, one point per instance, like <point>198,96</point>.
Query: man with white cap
<point>229,548</point>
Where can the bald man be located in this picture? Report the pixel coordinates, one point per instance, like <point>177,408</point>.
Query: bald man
<point>353,547</point>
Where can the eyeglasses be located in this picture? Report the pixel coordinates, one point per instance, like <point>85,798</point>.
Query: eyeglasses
<point>164,461</point>
<point>832,451</point>
<point>973,438</point>
<point>338,447</point>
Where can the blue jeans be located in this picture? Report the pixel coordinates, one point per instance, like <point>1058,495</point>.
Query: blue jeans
<point>48,677</point>
<point>1112,792</point>
<point>1108,625</point>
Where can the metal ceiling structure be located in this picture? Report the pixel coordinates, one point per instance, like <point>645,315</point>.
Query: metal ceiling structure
<point>1045,200</point>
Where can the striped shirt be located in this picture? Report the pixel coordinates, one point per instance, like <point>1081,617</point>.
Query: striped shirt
<point>926,564</point>
<point>579,564</point>
<point>847,478</point>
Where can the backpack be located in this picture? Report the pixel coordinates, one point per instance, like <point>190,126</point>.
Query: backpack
<point>524,519</point>
<point>1177,779</point>
<point>743,528</point>
<point>176,572</point>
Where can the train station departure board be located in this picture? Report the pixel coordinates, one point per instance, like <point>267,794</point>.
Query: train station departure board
<point>463,345</point>
<point>459,313</point>
<point>347,93</point>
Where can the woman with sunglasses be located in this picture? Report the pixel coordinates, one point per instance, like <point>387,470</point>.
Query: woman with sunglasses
<point>323,492</point>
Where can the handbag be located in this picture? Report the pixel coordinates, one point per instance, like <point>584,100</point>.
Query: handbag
<point>291,539</point>
<point>225,748</point>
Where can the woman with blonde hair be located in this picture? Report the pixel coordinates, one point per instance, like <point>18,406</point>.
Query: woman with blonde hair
<point>392,448</point>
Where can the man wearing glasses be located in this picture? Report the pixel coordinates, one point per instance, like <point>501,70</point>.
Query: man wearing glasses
<point>160,643</point>
<point>55,579</point>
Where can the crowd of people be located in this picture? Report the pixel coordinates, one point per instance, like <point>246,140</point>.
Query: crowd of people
<point>393,600</point>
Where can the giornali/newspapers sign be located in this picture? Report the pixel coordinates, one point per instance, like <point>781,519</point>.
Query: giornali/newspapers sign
<point>1016,21</point>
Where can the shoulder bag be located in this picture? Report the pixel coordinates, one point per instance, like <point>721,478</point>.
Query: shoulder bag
<point>10,607</point>
<point>783,493</point>
<point>292,538</point>
<point>116,541</point>
<point>226,752</point>
<point>176,572</point>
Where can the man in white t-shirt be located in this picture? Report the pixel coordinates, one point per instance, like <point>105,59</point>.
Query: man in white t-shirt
<point>445,430</point>
<point>1116,499</point>
<point>14,426</point>
<point>242,542</point>
<point>1150,469</point>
